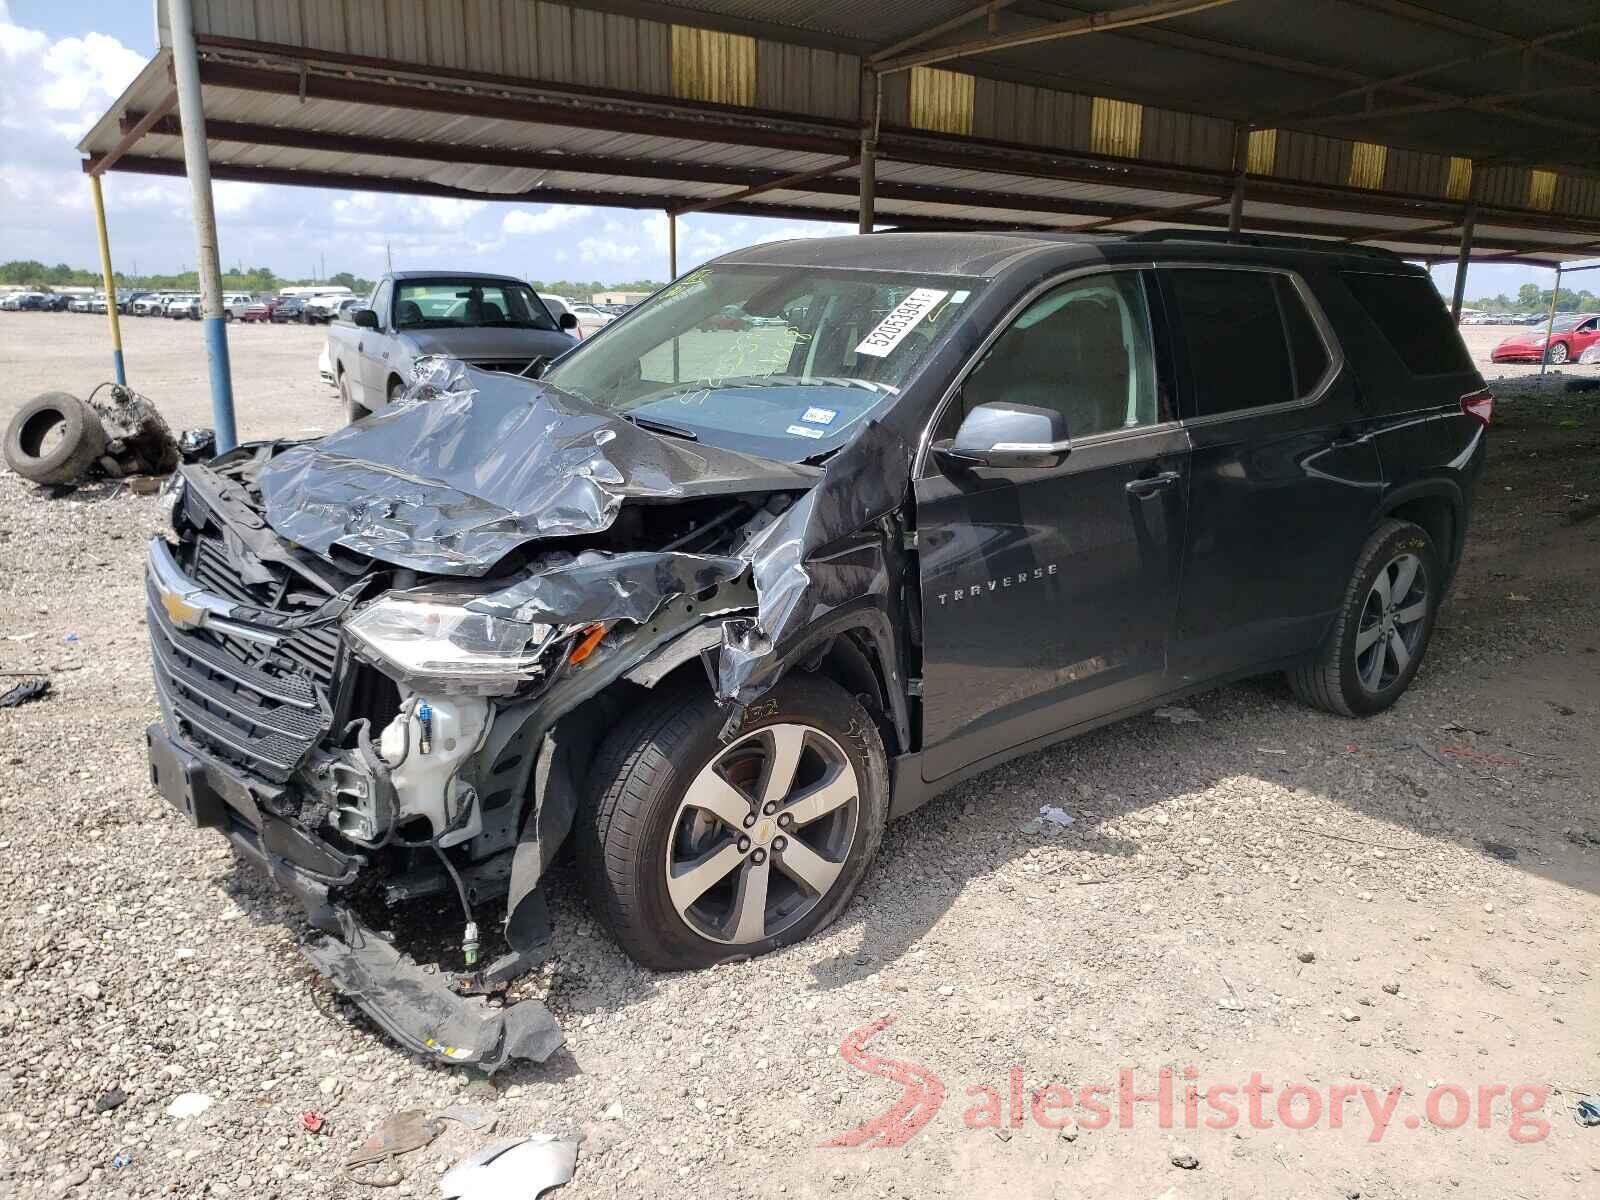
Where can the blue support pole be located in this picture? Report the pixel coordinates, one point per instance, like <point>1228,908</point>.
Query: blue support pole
<point>221,383</point>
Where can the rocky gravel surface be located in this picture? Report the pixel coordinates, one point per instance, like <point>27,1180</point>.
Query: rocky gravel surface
<point>1245,888</point>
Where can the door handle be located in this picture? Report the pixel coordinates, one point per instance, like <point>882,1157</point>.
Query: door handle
<point>1152,484</point>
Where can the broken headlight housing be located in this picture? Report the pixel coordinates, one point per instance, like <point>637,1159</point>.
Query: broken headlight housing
<point>434,640</point>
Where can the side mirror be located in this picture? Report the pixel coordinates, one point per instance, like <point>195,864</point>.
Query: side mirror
<point>567,321</point>
<point>365,318</point>
<point>1007,435</point>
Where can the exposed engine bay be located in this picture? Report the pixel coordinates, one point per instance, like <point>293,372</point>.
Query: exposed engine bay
<point>381,669</point>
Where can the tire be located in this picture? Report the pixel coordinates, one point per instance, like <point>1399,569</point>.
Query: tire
<point>54,438</point>
<point>353,410</point>
<point>1558,353</point>
<point>638,816</point>
<point>227,315</point>
<point>1356,680</point>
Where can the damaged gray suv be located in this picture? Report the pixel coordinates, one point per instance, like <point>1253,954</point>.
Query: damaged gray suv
<point>819,530</point>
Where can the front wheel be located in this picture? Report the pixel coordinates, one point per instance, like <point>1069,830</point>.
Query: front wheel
<point>698,849</point>
<point>1377,642</point>
<point>1558,353</point>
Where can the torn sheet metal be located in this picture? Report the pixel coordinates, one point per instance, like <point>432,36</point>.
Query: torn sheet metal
<point>419,1009</point>
<point>596,586</point>
<point>864,481</point>
<point>470,465</point>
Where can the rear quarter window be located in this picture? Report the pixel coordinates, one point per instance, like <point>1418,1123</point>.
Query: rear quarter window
<point>1411,316</point>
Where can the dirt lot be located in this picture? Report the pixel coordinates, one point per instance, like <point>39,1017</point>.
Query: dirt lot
<point>1410,902</point>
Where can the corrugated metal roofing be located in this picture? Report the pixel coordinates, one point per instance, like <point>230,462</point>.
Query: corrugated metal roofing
<point>777,89</point>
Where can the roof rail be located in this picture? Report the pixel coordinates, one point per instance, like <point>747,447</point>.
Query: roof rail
<point>1265,241</point>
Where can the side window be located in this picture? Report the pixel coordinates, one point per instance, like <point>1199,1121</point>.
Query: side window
<point>1237,339</point>
<point>1410,313</point>
<point>1083,348</point>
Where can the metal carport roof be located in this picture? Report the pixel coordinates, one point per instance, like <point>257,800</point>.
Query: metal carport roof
<point>1384,121</point>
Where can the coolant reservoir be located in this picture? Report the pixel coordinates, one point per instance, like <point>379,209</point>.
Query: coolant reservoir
<point>427,745</point>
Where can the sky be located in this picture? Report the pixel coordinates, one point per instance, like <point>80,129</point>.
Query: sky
<point>62,65</point>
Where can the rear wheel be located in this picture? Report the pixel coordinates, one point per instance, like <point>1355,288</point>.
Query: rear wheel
<point>1376,645</point>
<point>697,850</point>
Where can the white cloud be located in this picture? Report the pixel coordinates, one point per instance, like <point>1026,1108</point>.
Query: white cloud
<point>522,222</point>
<point>450,213</point>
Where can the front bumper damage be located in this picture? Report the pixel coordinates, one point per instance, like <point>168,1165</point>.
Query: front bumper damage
<point>416,1007</point>
<point>759,584</point>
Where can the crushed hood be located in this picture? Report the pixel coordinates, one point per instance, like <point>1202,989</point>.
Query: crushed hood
<point>471,465</point>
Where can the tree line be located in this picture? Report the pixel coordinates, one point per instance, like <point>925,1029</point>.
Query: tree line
<point>33,274</point>
<point>1531,298</point>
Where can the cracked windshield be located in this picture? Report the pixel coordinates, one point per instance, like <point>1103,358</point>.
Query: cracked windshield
<point>774,361</point>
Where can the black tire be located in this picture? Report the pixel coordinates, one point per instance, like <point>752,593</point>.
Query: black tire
<point>1333,680</point>
<point>638,780</point>
<point>353,409</point>
<point>54,438</point>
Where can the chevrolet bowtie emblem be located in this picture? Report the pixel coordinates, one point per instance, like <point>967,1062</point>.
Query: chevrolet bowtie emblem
<point>183,614</point>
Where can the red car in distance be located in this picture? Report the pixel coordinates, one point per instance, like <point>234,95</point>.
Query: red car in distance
<point>1572,335</point>
<point>260,310</point>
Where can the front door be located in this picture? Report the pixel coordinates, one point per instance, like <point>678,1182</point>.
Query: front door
<point>373,348</point>
<point>1048,594</point>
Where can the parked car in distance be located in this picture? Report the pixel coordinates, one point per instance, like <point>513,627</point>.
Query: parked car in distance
<point>286,309</point>
<point>494,322</point>
<point>149,304</point>
<point>31,302</point>
<point>81,304</point>
<point>589,320</point>
<point>57,301</point>
<point>183,308</point>
<point>980,493</point>
<point>1569,337</point>
<point>259,309</point>
<point>320,307</point>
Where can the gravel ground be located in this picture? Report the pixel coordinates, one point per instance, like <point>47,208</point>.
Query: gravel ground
<point>1403,902</point>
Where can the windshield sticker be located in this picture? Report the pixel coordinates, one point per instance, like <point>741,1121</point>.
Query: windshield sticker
<point>819,416</point>
<point>907,315</point>
<point>960,297</point>
<point>806,431</point>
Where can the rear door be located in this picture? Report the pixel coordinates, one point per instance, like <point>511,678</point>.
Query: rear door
<point>1283,482</point>
<point>1048,593</point>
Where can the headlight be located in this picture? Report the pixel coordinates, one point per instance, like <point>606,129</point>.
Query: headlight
<point>433,639</point>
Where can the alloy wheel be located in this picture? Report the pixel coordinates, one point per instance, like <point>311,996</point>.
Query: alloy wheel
<point>1558,352</point>
<point>762,834</point>
<point>1392,621</point>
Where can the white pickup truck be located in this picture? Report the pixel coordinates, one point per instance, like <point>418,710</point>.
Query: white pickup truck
<point>492,322</point>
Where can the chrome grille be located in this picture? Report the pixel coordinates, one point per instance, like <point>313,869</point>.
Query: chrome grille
<point>261,705</point>
<point>508,366</point>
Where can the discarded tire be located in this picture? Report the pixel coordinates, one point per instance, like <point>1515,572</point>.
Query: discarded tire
<point>54,438</point>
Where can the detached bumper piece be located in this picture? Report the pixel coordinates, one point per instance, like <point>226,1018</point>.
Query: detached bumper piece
<point>419,1010</point>
<point>415,1007</point>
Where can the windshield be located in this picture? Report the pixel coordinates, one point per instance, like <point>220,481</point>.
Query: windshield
<point>464,303</point>
<point>782,362</point>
